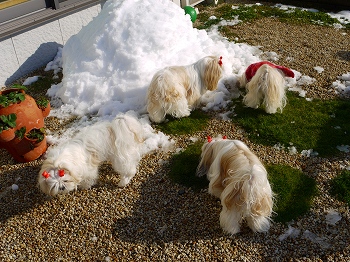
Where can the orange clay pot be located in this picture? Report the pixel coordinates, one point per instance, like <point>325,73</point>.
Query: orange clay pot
<point>46,110</point>
<point>7,135</point>
<point>25,150</point>
<point>30,116</point>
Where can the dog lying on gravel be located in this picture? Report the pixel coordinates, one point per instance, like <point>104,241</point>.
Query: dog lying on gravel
<point>74,164</point>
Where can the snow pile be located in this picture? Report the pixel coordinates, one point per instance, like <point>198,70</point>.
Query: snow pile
<point>108,65</point>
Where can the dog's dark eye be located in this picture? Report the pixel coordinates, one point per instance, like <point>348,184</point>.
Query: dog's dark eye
<point>65,181</point>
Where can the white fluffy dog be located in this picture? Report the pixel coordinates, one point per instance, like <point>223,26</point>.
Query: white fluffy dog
<point>74,164</point>
<point>239,179</point>
<point>176,90</point>
<point>265,84</point>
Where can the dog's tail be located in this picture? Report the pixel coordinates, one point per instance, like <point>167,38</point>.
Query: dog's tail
<point>128,134</point>
<point>267,84</point>
<point>128,128</point>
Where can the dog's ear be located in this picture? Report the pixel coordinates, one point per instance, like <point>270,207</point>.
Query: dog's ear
<point>206,158</point>
<point>212,73</point>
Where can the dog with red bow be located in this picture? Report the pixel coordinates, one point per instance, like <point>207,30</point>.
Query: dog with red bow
<point>265,84</point>
<point>176,90</point>
<point>74,164</point>
<point>239,179</point>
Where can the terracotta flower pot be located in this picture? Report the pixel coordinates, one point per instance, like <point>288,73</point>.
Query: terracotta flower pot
<point>37,149</point>
<point>7,135</point>
<point>46,110</point>
<point>29,116</point>
<point>27,112</point>
<point>26,150</point>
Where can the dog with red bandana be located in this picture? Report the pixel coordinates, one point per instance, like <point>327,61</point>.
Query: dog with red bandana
<point>265,85</point>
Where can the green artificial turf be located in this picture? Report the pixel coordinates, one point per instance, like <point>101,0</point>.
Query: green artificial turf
<point>245,13</point>
<point>183,167</point>
<point>293,190</point>
<point>340,186</point>
<point>185,125</point>
<point>318,125</point>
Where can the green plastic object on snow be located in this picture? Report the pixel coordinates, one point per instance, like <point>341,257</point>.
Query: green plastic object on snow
<point>191,11</point>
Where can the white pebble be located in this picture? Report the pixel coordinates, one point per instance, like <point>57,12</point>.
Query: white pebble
<point>94,238</point>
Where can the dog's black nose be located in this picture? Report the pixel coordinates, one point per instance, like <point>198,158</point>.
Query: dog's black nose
<point>62,188</point>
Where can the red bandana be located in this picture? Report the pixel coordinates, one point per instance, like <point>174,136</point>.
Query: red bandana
<point>251,70</point>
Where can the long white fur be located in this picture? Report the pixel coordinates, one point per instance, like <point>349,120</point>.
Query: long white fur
<point>267,87</point>
<point>239,179</point>
<point>176,90</point>
<point>117,141</point>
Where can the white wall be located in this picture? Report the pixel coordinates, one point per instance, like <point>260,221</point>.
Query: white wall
<point>178,2</point>
<point>33,49</point>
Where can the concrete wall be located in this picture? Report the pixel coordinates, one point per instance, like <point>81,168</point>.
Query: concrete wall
<point>33,49</point>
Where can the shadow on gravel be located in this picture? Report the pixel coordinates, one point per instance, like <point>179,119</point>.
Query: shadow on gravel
<point>334,136</point>
<point>166,213</point>
<point>15,201</point>
<point>173,216</point>
<point>344,55</point>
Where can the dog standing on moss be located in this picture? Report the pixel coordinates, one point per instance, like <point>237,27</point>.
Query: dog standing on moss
<point>176,90</point>
<point>265,84</point>
<point>239,179</point>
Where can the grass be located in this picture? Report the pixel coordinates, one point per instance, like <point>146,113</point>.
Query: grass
<point>253,12</point>
<point>183,167</point>
<point>340,186</point>
<point>45,80</point>
<point>318,125</point>
<point>186,125</point>
<point>294,192</point>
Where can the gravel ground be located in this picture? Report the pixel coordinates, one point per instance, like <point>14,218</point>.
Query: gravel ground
<point>153,219</point>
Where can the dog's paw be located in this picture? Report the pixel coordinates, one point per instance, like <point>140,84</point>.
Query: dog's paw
<point>124,181</point>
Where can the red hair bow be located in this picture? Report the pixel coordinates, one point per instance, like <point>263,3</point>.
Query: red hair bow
<point>61,172</point>
<point>220,61</point>
<point>45,174</point>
